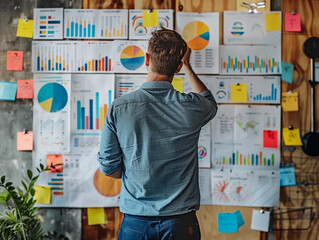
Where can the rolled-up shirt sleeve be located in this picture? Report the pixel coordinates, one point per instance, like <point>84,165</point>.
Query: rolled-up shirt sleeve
<point>210,105</point>
<point>110,154</point>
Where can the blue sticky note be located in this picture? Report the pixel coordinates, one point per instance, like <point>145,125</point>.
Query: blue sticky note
<point>227,222</point>
<point>8,91</point>
<point>287,70</point>
<point>240,220</point>
<point>287,176</point>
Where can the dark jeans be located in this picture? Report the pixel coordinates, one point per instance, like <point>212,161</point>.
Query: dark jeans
<point>179,227</point>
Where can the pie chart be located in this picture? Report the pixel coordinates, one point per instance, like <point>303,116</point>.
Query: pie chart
<point>105,185</point>
<point>196,35</point>
<point>52,97</point>
<point>132,57</point>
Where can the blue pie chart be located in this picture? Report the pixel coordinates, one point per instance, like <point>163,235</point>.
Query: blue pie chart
<point>52,97</point>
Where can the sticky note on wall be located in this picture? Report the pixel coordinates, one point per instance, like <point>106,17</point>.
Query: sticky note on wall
<point>287,176</point>
<point>291,137</point>
<point>53,160</point>
<point>227,222</point>
<point>272,21</point>
<point>25,141</point>
<point>14,60</point>
<point>238,92</point>
<point>290,101</point>
<point>292,22</point>
<point>150,18</point>
<point>42,194</point>
<point>287,70</point>
<point>96,216</point>
<point>25,28</point>
<point>25,89</point>
<point>260,221</point>
<point>8,91</point>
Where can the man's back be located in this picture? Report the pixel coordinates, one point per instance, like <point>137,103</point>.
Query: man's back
<point>157,130</point>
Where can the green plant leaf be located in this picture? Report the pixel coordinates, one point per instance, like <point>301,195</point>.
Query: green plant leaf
<point>24,185</point>
<point>3,178</point>
<point>30,174</point>
<point>32,191</point>
<point>8,184</point>
<point>41,166</point>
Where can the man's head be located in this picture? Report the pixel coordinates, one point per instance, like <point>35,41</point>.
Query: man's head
<point>166,49</point>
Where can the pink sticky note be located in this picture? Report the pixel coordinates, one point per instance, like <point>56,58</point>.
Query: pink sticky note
<point>14,60</point>
<point>270,139</point>
<point>25,141</point>
<point>52,160</point>
<point>25,89</point>
<point>292,22</point>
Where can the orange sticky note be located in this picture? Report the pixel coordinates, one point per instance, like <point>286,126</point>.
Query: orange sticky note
<point>238,92</point>
<point>14,60</point>
<point>25,28</point>
<point>270,139</point>
<point>292,137</point>
<point>289,101</point>
<point>272,21</point>
<point>178,84</point>
<point>150,19</point>
<point>25,89</point>
<point>292,22</point>
<point>96,216</point>
<point>25,141</point>
<point>42,194</point>
<point>52,160</point>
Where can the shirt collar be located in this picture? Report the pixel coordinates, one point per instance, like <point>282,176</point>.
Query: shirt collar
<point>157,84</point>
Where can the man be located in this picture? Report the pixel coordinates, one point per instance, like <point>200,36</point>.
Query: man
<point>150,140</point>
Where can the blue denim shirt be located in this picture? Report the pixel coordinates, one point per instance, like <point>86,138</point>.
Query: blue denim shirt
<point>152,133</point>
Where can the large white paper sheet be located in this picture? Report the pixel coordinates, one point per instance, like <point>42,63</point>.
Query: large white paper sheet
<point>248,28</point>
<point>128,83</point>
<point>237,137</point>
<point>236,59</point>
<point>138,31</point>
<point>205,186</point>
<point>201,33</point>
<point>51,112</point>
<point>129,56</point>
<point>245,188</point>
<point>48,23</point>
<point>112,24</point>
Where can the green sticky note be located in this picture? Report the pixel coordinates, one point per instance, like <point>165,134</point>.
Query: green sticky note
<point>287,70</point>
<point>150,19</point>
<point>96,216</point>
<point>272,21</point>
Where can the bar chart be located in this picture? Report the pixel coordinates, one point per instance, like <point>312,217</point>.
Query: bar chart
<point>127,83</point>
<point>250,59</point>
<point>57,56</point>
<point>93,56</point>
<point>271,97</point>
<point>92,95</point>
<point>112,24</point>
<point>80,23</point>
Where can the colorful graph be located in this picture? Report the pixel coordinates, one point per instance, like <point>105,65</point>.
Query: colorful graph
<point>237,29</point>
<point>238,191</point>
<point>252,159</point>
<point>52,97</point>
<point>52,56</point>
<point>85,116</point>
<point>202,152</point>
<point>196,34</point>
<point>132,57</point>
<point>57,185</point>
<point>250,59</point>
<point>112,23</point>
<point>80,23</point>
<point>219,191</point>
<point>272,97</point>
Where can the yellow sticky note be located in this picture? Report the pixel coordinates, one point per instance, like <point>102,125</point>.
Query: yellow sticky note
<point>150,19</point>
<point>42,194</point>
<point>272,21</point>
<point>178,84</point>
<point>25,28</point>
<point>96,216</point>
<point>289,102</point>
<point>238,92</point>
<point>292,137</point>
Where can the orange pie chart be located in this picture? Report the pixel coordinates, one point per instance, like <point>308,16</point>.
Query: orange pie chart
<point>105,185</point>
<point>196,35</point>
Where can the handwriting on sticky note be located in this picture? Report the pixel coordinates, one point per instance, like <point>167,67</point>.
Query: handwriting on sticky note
<point>42,194</point>
<point>25,89</point>
<point>238,92</point>
<point>290,101</point>
<point>287,70</point>
<point>292,22</point>
<point>227,222</point>
<point>53,160</point>
<point>272,21</point>
<point>291,137</point>
<point>25,28</point>
<point>260,221</point>
<point>270,139</point>
<point>287,176</point>
<point>178,84</point>
<point>96,216</point>
<point>14,60</point>
<point>25,141</point>
<point>150,19</point>
<point>8,91</point>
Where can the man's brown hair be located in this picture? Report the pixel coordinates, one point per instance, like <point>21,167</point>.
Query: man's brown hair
<point>166,49</point>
